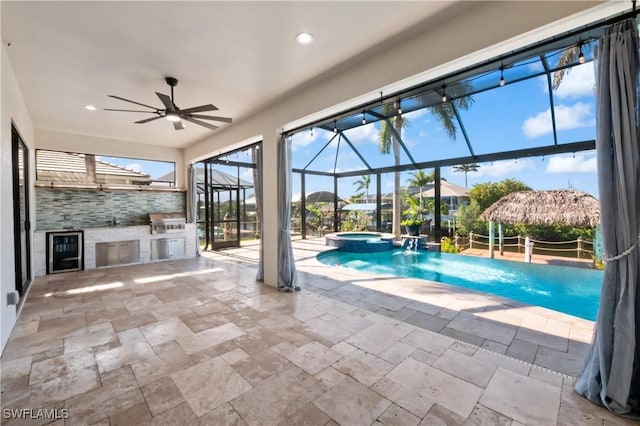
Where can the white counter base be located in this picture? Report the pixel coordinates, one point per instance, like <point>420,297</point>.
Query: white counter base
<point>112,234</point>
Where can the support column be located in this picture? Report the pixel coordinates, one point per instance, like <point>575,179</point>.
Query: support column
<point>501,238</point>
<point>303,205</point>
<point>491,238</point>
<point>528,250</point>
<point>378,203</point>
<point>436,206</point>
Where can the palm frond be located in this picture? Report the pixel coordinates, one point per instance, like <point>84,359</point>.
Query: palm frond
<point>445,115</point>
<point>568,57</point>
<point>385,133</point>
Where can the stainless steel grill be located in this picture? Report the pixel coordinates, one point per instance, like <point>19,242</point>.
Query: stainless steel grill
<point>167,223</point>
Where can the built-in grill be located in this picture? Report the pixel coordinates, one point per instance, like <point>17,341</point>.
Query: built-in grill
<point>167,223</point>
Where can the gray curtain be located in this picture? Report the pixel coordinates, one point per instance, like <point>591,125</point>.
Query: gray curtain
<point>611,375</point>
<point>286,263</point>
<point>192,202</point>
<point>256,157</point>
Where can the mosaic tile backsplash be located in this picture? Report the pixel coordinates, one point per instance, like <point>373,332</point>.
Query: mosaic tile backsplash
<point>59,208</point>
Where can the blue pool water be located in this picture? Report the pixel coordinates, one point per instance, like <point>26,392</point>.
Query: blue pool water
<point>575,291</point>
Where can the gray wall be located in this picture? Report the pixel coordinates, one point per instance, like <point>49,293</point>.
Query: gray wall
<point>91,208</point>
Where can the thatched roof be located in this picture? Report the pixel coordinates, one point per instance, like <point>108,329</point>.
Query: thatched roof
<point>563,206</point>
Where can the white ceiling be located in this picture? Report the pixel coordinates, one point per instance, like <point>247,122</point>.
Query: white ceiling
<point>239,56</point>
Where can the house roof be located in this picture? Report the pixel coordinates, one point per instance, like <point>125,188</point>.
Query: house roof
<point>218,179</point>
<point>71,167</point>
<point>447,189</point>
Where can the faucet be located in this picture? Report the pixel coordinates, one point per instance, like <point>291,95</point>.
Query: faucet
<point>113,221</point>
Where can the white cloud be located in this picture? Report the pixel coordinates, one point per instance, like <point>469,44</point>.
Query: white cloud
<point>302,139</point>
<point>503,168</point>
<point>413,115</point>
<point>570,164</point>
<point>579,81</point>
<point>567,117</point>
<point>362,134</point>
<point>247,174</point>
<point>535,66</point>
<point>134,166</point>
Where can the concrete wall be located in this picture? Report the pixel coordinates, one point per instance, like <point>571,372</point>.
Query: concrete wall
<point>13,110</point>
<point>464,34</point>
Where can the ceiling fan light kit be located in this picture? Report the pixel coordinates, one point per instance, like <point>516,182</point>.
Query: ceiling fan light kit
<point>171,111</point>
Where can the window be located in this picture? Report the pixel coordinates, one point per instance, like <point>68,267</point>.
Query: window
<point>76,168</point>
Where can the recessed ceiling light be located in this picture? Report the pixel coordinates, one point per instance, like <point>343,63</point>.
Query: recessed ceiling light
<point>90,107</point>
<point>304,38</point>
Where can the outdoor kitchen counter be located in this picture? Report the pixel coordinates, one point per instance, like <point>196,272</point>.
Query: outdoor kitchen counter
<point>116,233</point>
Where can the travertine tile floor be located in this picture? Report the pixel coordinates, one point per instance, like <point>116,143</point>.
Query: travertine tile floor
<point>198,341</point>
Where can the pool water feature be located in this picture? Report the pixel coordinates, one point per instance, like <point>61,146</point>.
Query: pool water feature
<point>360,242</point>
<point>574,291</point>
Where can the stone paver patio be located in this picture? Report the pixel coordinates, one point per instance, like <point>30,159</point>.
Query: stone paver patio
<point>198,341</point>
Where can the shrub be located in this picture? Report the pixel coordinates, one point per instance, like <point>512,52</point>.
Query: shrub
<point>446,246</point>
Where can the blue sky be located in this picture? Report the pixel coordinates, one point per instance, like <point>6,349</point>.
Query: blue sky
<point>516,116</point>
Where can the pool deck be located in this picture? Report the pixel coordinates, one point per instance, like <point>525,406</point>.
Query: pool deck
<point>198,341</point>
<point>535,258</point>
<point>532,334</point>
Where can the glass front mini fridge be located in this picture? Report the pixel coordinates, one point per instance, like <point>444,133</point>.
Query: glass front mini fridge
<point>64,251</point>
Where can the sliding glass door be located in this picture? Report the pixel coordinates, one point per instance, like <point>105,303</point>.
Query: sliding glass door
<point>21,223</point>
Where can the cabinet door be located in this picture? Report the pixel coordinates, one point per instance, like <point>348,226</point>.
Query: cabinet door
<point>159,249</point>
<point>128,252</point>
<point>176,248</point>
<point>106,254</point>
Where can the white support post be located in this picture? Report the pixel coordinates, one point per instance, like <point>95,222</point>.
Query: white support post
<point>491,238</point>
<point>501,238</point>
<point>528,250</point>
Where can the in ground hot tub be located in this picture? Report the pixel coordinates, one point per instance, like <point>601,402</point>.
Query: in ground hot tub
<point>360,242</point>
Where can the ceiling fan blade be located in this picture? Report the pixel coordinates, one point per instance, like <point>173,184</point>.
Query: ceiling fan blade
<point>166,101</point>
<point>201,108</point>
<point>129,110</point>
<point>146,120</point>
<point>178,125</point>
<point>201,123</point>
<point>133,102</point>
<point>210,117</point>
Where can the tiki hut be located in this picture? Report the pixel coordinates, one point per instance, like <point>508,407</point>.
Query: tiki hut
<point>561,206</point>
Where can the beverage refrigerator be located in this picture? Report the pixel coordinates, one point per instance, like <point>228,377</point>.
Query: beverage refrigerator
<point>65,251</point>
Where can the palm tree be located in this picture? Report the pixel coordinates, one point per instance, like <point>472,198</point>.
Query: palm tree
<point>363,183</point>
<point>466,168</point>
<point>387,142</point>
<point>444,112</point>
<point>420,179</point>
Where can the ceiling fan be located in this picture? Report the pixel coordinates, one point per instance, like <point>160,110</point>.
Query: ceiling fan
<point>172,113</point>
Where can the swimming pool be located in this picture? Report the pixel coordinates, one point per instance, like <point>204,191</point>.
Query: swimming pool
<point>574,291</point>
